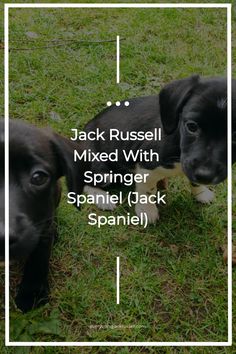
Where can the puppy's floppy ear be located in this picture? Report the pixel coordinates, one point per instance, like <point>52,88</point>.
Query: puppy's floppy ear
<point>63,150</point>
<point>172,99</point>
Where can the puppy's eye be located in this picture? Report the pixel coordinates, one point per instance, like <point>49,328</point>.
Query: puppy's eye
<point>39,178</point>
<point>191,127</point>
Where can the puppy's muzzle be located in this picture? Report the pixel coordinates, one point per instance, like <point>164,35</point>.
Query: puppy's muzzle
<point>203,175</point>
<point>207,174</point>
<point>22,237</point>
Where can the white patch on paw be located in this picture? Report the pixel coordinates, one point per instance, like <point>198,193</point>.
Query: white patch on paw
<point>204,196</point>
<point>150,210</point>
<point>108,204</point>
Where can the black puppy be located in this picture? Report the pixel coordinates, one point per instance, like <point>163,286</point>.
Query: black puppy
<point>38,158</point>
<point>192,114</point>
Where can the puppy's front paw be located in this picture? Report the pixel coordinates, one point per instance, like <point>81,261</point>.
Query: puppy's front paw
<point>150,210</point>
<point>205,196</point>
<point>28,298</point>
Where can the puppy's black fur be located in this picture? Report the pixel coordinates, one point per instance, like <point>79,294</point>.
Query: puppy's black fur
<point>192,113</point>
<point>38,158</point>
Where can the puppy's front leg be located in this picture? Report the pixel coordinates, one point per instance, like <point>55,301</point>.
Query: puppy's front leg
<point>150,187</point>
<point>33,289</point>
<point>201,193</point>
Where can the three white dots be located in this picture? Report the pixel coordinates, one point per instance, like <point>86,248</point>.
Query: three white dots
<point>118,103</point>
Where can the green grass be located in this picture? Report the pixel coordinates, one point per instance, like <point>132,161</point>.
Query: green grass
<point>173,278</point>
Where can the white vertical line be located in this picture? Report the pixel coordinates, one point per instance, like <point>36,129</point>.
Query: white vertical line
<point>6,116</point>
<point>117,59</point>
<point>117,280</point>
<point>229,132</point>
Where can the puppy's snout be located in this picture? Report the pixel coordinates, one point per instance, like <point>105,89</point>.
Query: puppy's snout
<point>12,237</point>
<point>203,175</point>
<point>17,225</point>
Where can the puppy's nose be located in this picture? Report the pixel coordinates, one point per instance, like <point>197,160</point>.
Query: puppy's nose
<point>2,237</point>
<point>12,238</point>
<point>12,242</point>
<point>204,175</point>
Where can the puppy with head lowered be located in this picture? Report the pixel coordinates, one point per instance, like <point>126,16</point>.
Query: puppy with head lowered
<point>192,116</point>
<point>37,159</point>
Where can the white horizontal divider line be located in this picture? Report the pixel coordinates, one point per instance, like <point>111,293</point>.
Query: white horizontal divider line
<point>119,5</point>
<point>119,344</point>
